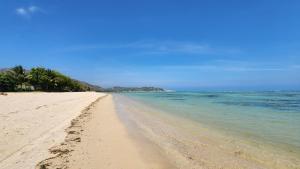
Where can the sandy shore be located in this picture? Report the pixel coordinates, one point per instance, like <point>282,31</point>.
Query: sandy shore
<point>98,139</point>
<point>189,144</point>
<point>31,123</point>
<point>68,130</point>
<point>96,130</point>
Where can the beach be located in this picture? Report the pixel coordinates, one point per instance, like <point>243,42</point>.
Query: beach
<point>74,130</point>
<point>89,130</point>
<point>191,84</point>
<point>200,130</point>
<point>31,123</point>
<point>98,139</point>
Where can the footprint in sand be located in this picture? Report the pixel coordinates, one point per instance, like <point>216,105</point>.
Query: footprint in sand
<point>41,107</point>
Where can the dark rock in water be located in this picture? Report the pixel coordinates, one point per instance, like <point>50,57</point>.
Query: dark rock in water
<point>211,95</point>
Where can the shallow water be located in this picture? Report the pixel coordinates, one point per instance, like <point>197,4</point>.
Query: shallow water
<point>259,122</point>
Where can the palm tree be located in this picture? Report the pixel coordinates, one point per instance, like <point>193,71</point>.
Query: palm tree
<point>7,81</point>
<point>19,75</point>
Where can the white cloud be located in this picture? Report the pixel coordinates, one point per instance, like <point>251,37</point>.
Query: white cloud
<point>175,47</point>
<point>27,11</point>
<point>21,11</point>
<point>33,9</point>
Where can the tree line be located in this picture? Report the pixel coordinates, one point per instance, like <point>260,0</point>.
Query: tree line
<point>38,79</point>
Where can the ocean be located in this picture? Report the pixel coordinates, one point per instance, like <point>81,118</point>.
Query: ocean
<point>260,128</point>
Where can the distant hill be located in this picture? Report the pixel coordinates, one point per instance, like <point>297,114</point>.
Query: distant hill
<point>135,89</point>
<point>92,87</point>
<point>3,70</point>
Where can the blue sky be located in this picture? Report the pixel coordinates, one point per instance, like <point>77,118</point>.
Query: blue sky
<point>211,44</point>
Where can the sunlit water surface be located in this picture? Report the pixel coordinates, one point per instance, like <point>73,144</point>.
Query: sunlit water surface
<point>270,117</point>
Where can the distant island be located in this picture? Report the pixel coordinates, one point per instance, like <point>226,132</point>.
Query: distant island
<point>135,89</point>
<point>41,79</point>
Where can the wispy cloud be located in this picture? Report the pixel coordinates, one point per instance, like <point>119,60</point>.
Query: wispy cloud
<point>222,68</point>
<point>295,66</point>
<point>27,12</point>
<point>158,47</point>
<point>234,66</point>
<point>174,47</point>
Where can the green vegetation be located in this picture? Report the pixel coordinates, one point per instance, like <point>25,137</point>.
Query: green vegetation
<point>42,79</point>
<point>39,79</point>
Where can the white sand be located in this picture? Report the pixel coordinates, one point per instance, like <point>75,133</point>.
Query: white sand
<point>31,123</point>
<point>98,139</point>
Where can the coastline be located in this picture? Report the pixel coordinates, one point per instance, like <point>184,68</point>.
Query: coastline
<point>98,139</point>
<point>188,144</point>
<point>98,130</point>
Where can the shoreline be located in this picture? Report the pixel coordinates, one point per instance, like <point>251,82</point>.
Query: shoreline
<point>197,146</point>
<point>98,139</point>
<point>98,130</point>
<point>73,133</point>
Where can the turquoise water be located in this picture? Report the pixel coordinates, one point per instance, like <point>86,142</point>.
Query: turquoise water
<point>270,117</point>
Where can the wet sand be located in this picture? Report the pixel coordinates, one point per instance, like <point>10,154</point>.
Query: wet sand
<point>68,130</point>
<point>96,130</point>
<point>98,139</point>
<point>188,144</point>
